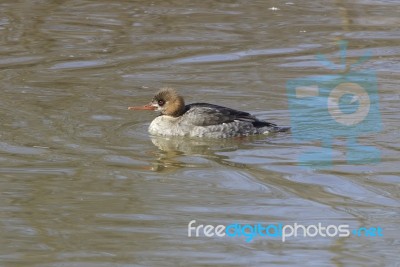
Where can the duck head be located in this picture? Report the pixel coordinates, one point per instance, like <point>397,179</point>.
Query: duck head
<point>167,101</point>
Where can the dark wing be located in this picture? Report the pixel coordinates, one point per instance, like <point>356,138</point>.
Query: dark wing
<point>203,114</point>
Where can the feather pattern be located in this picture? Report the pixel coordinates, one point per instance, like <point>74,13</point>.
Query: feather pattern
<point>204,114</point>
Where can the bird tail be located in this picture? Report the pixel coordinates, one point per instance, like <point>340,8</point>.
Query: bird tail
<point>280,129</point>
<point>260,124</point>
<point>272,127</point>
<point>275,129</point>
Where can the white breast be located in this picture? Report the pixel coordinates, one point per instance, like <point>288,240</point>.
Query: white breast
<point>168,126</point>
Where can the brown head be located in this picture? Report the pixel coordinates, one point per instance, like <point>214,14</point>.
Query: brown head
<point>167,101</point>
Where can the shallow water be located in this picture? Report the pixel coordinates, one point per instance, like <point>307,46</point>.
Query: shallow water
<point>83,184</point>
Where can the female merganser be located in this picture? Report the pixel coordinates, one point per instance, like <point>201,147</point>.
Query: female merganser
<point>201,119</point>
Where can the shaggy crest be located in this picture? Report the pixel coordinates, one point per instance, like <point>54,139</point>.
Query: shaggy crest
<point>173,104</point>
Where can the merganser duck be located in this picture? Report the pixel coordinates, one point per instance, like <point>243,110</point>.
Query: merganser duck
<point>202,119</point>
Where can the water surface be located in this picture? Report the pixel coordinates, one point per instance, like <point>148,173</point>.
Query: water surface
<point>83,184</point>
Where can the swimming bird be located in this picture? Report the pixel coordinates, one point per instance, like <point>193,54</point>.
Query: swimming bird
<point>201,119</point>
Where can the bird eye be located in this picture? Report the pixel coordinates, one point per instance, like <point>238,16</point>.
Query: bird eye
<point>161,103</point>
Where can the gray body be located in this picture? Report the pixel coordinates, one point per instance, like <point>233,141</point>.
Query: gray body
<point>211,121</point>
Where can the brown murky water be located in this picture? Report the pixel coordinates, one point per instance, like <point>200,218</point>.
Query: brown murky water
<point>83,184</point>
